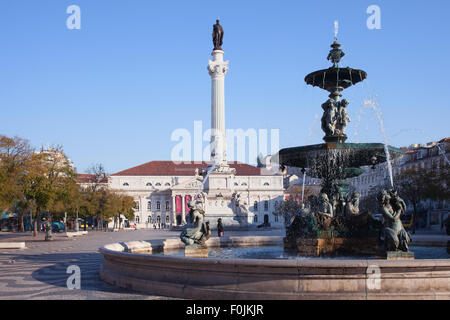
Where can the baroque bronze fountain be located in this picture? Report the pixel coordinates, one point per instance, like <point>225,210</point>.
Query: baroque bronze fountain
<point>332,222</point>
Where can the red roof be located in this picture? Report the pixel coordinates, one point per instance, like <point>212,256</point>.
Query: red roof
<point>170,168</point>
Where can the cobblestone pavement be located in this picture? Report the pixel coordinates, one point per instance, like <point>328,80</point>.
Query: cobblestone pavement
<point>39,272</point>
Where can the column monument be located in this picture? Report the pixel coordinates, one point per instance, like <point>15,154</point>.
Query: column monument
<point>217,69</point>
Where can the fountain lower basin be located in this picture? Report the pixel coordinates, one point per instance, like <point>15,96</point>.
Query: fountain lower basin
<point>132,266</point>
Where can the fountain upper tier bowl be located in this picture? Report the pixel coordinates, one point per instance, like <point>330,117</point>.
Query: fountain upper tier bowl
<point>355,154</point>
<point>332,78</point>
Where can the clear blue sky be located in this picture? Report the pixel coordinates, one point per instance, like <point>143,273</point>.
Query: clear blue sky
<point>114,91</point>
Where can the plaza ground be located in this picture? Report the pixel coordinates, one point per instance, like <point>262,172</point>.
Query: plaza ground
<point>39,272</point>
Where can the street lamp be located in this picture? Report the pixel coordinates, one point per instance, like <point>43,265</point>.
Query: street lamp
<point>77,226</point>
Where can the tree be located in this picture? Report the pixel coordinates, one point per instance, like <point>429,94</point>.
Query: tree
<point>415,185</point>
<point>369,203</point>
<point>287,209</point>
<point>127,206</point>
<point>97,193</point>
<point>15,154</point>
<point>48,176</point>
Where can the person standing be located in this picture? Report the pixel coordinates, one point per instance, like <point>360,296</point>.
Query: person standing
<point>220,227</point>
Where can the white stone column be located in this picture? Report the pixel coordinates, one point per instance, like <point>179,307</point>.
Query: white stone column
<point>217,69</point>
<point>174,214</point>
<point>183,209</point>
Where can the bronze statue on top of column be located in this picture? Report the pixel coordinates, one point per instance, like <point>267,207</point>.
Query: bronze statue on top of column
<point>217,36</point>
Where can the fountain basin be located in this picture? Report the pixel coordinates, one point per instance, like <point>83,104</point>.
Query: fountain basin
<point>130,266</point>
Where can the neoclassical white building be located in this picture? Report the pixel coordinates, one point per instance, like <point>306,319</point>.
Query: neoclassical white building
<point>244,198</point>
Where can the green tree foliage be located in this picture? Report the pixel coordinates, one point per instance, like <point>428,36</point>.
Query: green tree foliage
<point>15,155</point>
<point>418,184</point>
<point>45,181</point>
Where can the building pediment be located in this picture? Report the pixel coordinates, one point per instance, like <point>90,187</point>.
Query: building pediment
<point>190,184</point>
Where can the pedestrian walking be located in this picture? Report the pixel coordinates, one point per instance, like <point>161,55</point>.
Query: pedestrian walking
<point>220,227</point>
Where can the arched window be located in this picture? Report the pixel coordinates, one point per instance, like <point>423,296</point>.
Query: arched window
<point>266,184</point>
<point>126,184</point>
<point>150,219</point>
<point>255,206</point>
<point>136,219</point>
<point>149,184</point>
<point>136,206</point>
<point>158,206</point>
<point>167,219</point>
<point>167,184</point>
<point>266,205</point>
<point>243,184</point>
<point>167,206</point>
<point>149,206</point>
<point>158,184</point>
<point>236,184</point>
<point>255,218</point>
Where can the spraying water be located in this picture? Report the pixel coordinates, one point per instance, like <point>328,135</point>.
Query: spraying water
<point>311,130</point>
<point>303,186</point>
<point>336,28</point>
<point>372,103</point>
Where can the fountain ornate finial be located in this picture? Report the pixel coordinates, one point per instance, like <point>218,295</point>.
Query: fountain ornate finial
<point>335,54</point>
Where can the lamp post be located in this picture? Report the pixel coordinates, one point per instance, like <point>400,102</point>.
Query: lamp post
<point>77,227</point>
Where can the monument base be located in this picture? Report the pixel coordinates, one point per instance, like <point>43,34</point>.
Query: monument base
<point>333,246</point>
<point>196,251</point>
<point>398,255</point>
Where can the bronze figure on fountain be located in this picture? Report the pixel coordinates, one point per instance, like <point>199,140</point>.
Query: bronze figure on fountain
<point>396,238</point>
<point>197,230</point>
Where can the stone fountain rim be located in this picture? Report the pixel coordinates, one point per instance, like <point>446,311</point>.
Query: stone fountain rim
<point>270,279</point>
<point>236,242</point>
